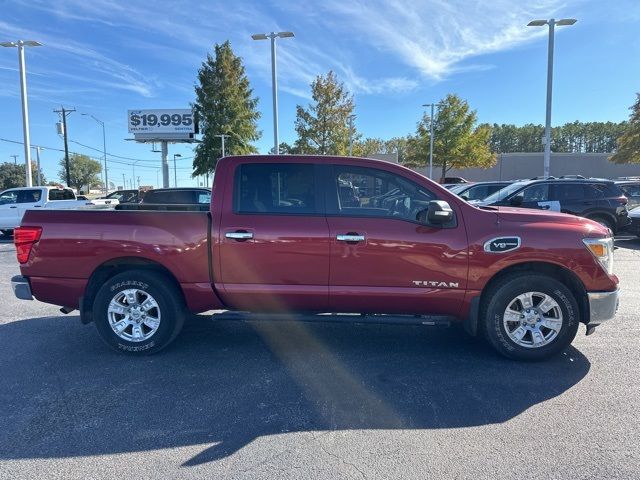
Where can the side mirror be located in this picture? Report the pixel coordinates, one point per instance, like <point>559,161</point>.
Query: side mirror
<point>516,201</point>
<point>437,213</point>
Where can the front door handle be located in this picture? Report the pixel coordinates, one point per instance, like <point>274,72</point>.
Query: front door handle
<point>350,237</point>
<point>13,207</point>
<point>239,235</point>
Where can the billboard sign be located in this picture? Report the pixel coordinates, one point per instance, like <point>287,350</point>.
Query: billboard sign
<point>161,121</point>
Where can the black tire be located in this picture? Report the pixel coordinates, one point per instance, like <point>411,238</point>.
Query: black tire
<point>7,233</point>
<point>502,293</point>
<point>170,306</point>
<point>603,221</point>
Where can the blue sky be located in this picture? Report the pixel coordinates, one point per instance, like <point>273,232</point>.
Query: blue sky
<point>103,57</point>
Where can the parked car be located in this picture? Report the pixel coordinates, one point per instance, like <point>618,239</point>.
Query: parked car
<point>477,191</point>
<point>452,180</point>
<point>14,202</point>
<point>631,190</point>
<point>124,196</point>
<point>177,196</point>
<point>278,238</point>
<point>634,227</point>
<point>598,200</point>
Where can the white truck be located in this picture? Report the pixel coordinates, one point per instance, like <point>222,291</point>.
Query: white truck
<point>15,201</point>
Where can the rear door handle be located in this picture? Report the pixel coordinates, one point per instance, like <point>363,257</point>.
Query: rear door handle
<point>13,207</point>
<point>350,237</point>
<point>239,235</point>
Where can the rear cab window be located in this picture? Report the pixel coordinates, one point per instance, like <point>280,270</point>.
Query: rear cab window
<point>61,194</point>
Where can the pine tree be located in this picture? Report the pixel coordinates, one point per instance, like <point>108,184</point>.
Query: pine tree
<point>323,127</point>
<point>224,105</point>
<point>629,141</point>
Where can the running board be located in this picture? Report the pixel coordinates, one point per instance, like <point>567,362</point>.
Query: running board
<point>429,320</point>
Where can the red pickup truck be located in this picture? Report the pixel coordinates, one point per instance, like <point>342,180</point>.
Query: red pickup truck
<point>304,234</point>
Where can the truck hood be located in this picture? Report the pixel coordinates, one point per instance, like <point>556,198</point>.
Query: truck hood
<point>527,215</point>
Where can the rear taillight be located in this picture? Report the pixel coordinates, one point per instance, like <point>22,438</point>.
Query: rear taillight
<point>23,239</point>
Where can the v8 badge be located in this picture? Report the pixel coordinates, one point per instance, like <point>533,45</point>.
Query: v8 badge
<point>502,244</point>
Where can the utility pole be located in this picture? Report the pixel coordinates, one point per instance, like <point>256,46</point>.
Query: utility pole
<point>351,118</point>
<point>124,182</point>
<point>63,113</point>
<point>15,159</point>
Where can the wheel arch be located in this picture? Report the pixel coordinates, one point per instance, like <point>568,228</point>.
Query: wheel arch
<point>553,270</point>
<point>112,267</point>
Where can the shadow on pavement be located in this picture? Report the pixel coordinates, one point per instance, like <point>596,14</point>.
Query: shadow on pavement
<point>223,384</point>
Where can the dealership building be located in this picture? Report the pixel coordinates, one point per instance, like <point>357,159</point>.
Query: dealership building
<point>514,166</point>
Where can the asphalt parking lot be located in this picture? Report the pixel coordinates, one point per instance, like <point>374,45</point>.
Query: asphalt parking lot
<point>286,400</point>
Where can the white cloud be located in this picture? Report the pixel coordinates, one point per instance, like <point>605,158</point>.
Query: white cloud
<point>434,36</point>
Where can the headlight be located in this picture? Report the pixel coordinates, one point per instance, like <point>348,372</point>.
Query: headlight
<point>602,249</point>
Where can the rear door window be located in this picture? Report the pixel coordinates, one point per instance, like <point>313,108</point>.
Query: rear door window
<point>275,188</point>
<point>29,196</point>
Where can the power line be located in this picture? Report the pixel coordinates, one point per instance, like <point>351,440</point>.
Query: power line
<point>119,156</point>
<point>95,158</point>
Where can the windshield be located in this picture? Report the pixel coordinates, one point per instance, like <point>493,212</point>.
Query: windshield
<point>503,193</point>
<point>457,189</point>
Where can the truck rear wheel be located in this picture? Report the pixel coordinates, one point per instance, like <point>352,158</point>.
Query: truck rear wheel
<point>138,312</point>
<point>530,316</point>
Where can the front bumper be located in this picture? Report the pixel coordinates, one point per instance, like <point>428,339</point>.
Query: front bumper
<point>602,306</point>
<point>21,287</point>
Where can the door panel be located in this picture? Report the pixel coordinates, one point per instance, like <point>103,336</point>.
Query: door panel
<point>274,247</point>
<point>394,264</point>
<point>391,270</point>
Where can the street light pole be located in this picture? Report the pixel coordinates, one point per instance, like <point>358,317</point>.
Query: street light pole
<point>39,175</point>
<point>274,79</point>
<point>104,149</point>
<point>20,44</point>
<point>351,118</point>
<point>431,122</point>
<point>175,171</point>
<point>547,127</point>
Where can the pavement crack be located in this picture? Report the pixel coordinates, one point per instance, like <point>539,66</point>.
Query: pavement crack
<point>342,460</point>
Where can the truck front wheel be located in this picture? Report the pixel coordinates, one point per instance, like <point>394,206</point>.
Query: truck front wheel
<point>138,312</point>
<point>530,316</point>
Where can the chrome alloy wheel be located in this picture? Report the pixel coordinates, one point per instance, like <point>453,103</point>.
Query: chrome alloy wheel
<point>134,315</point>
<point>532,319</point>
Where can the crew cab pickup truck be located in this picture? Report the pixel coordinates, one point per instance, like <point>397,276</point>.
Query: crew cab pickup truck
<point>306,235</point>
<point>14,202</point>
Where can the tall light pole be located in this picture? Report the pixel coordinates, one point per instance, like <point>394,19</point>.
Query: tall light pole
<point>222,137</point>
<point>547,127</point>
<point>104,150</point>
<point>20,44</point>
<point>351,118</point>
<point>39,176</point>
<point>274,80</point>
<point>175,171</point>
<point>15,159</point>
<point>431,122</point>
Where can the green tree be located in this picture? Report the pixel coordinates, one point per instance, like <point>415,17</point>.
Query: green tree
<point>12,176</point>
<point>224,105</point>
<point>323,127</point>
<point>629,142</point>
<point>83,171</point>
<point>368,147</point>
<point>458,143</point>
